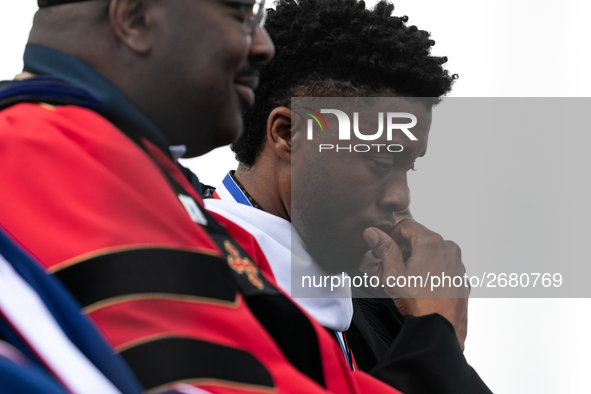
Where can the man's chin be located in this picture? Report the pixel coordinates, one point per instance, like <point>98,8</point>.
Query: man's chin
<point>228,133</point>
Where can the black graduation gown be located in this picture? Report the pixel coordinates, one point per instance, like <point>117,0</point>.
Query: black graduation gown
<point>416,355</point>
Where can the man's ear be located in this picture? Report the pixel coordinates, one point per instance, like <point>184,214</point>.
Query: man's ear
<point>130,20</point>
<point>279,132</point>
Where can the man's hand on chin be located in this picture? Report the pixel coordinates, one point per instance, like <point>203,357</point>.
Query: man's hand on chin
<point>420,256</point>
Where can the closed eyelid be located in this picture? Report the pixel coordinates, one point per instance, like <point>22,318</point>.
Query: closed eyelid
<point>244,5</point>
<point>385,160</point>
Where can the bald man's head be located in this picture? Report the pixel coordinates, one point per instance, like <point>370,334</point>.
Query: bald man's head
<point>49,3</point>
<point>77,28</point>
<point>190,66</point>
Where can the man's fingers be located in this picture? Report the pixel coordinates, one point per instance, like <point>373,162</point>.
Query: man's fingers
<point>454,248</point>
<point>456,255</point>
<point>384,248</point>
<point>406,230</point>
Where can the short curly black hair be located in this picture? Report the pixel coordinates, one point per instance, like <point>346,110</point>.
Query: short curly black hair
<point>338,48</point>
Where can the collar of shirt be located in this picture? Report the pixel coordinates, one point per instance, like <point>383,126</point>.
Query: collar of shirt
<point>177,151</point>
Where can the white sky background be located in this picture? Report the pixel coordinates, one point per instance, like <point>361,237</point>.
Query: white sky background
<point>519,48</point>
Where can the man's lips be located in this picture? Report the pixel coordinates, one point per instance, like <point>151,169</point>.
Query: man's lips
<point>245,86</point>
<point>252,81</point>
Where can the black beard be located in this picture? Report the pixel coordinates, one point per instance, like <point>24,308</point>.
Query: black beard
<point>329,249</point>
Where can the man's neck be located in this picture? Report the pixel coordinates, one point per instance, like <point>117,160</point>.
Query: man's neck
<point>264,189</point>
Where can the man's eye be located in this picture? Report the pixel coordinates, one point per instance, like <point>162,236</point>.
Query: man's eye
<point>383,163</point>
<point>244,8</point>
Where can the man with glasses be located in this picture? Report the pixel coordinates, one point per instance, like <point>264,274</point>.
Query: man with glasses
<point>112,93</point>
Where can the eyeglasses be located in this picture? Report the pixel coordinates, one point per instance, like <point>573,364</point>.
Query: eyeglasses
<point>258,16</point>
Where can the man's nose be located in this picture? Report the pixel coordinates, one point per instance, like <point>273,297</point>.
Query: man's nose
<point>262,49</point>
<point>395,197</point>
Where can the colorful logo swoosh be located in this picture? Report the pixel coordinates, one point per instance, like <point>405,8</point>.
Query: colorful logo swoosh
<point>316,118</point>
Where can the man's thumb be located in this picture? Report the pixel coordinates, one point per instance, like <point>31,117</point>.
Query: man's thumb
<point>383,247</point>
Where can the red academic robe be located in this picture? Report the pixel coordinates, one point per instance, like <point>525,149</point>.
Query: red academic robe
<point>99,212</point>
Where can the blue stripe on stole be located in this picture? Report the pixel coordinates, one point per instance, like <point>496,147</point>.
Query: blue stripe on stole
<point>235,191</point>
<point>67,313</point>
<point>344,349</point>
